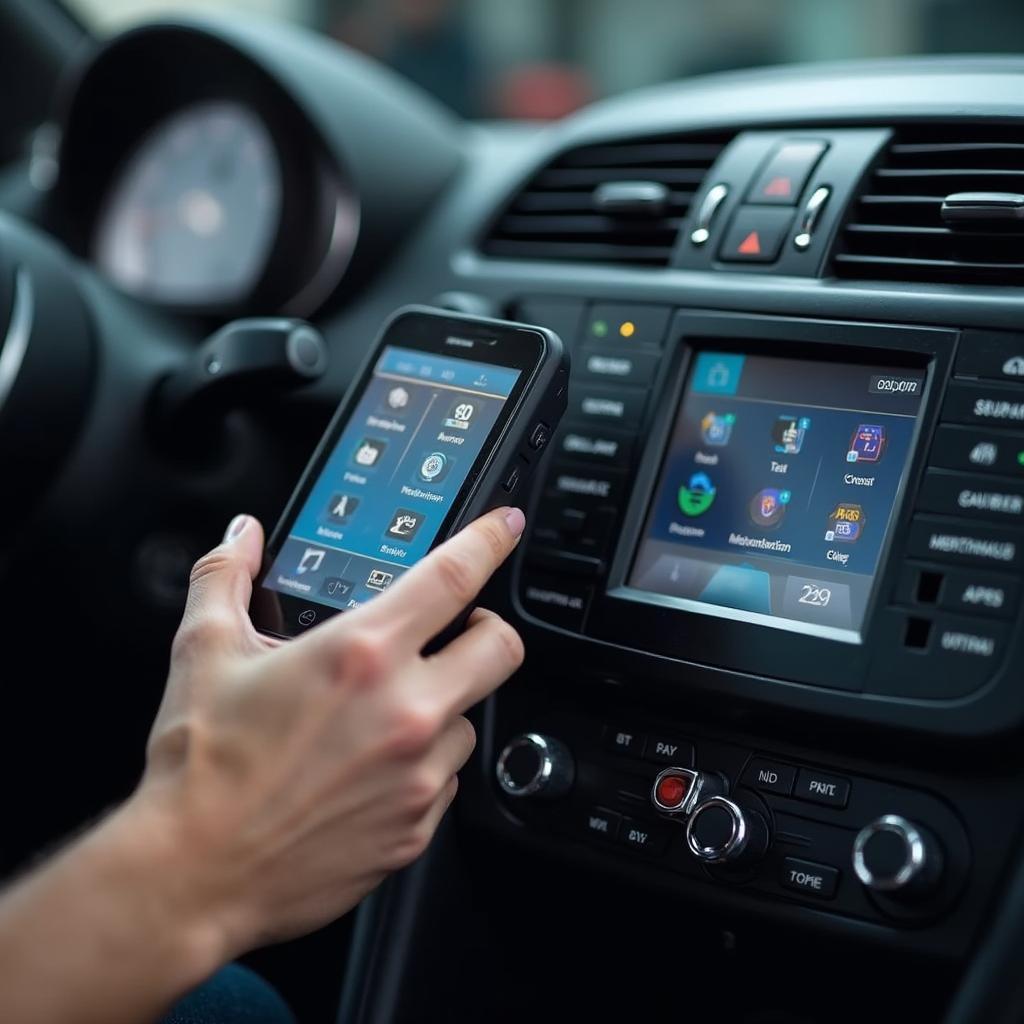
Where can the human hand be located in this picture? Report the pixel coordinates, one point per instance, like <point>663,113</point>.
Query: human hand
<point>290,778</point>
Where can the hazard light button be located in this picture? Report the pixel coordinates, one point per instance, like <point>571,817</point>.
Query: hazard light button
<point>756,234</point>
<point>782,179</point>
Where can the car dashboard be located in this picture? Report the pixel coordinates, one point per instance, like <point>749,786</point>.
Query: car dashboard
<point>770,587</point>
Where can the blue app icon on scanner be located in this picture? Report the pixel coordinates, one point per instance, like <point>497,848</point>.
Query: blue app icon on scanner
<point>434,468</point>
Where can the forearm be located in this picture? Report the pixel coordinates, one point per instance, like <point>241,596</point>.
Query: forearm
<point>107,931</point>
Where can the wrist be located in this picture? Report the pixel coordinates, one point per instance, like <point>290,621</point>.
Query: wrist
<point>140,847</point>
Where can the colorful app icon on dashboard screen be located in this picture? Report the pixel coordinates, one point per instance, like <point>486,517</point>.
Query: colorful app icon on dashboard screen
<point>767,507</point>
<point>715,430</point>
<point>867,443</point>
<point>788,434</point>
<point>845,524</point>
<point>696,497</point>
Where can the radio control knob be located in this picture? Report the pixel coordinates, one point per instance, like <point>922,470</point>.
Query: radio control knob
<point>896,857</point>
<point>720,831</point>
<point>535,765</point>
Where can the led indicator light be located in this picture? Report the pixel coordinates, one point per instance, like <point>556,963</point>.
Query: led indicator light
<point>627,328</point>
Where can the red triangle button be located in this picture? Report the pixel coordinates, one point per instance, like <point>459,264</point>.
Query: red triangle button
<point>751,245</point>
<point>780,186</point>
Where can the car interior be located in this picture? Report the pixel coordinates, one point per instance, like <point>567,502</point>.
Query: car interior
<point>763,761</point>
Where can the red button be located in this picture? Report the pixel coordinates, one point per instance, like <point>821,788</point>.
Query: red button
<point>672,791</point>
<point>782,179</point>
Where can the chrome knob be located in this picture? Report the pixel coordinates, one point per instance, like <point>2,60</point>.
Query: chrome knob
<point>720,831</point>
<point>894,856</point>
<point>535,765</point>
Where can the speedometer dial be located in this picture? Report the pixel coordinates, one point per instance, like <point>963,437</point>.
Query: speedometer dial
<point>194,213</point>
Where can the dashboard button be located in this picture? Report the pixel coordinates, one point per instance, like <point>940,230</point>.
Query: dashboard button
<point>564,563</point>
<point>809,878</point>
<point>782,179</point>
<point>991,355</point>
<point>587,484</point>
<point>933,656</point>
<point>552,598</point>
<point>616,407</point>
<point>970,591</point>
<point>613,365</point>
<point>978,451</point>
<point>564,525</point>
<point>964,639</point>
<point>642,835</point>
<point>989,405</point>
<point>755,235</point>
<point>627,325</point>
<point>624,741</point>
<point>818,788</point>
<point>669,750</point>
<point>769,776</point>
<point>600,824</point>
<point>942,539</point>
<point>588,444</point>
<point>971,496</point>
<point>563,316</point>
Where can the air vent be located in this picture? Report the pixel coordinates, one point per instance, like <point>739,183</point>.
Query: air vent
<point>899,229</point>
<point>619,202</point>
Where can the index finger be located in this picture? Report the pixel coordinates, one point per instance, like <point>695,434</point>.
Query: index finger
<point>435,590</point>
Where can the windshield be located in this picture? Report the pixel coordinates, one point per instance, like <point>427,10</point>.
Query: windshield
<point>545,58</point>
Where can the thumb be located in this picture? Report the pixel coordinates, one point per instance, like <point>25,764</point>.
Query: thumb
<point>220,585</point>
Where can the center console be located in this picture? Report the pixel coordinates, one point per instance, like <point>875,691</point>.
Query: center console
<point>774,567</point>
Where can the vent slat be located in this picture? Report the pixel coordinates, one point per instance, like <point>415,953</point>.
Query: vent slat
<point>554,217</point>
<point>666,153</point>
<point>606,253</point>
<point>980,173</point>
<point>883,200</point>
<point>917,229</point>
<point>570,202</point>
<point>593,225</point>
<point>589,177</point>
<point>896,231</point>
<point>927,148</point>
<point>847,257</point>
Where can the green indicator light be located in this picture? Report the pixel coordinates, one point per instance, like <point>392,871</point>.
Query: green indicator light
<point>599,328</point>
<point>1020,458</point>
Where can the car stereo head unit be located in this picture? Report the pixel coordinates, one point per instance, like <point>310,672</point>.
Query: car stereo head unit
<point>818,511</point>
<point>776,492</point>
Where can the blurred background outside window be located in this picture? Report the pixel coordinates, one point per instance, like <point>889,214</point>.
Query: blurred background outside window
<point>541,59</point>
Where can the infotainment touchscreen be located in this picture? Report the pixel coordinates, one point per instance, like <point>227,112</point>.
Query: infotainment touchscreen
<point>777,490</point>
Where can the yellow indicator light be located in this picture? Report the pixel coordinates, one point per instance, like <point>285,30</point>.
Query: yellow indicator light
<point>627,328</point>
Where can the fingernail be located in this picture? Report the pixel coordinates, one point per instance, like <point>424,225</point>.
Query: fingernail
<point>235,528</point>
<point>515,521</point>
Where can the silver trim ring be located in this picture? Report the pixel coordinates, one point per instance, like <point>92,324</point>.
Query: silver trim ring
<point>912,866</point>
<point>19,330</point>
<point>543,774</point>
<point>733,845</point>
